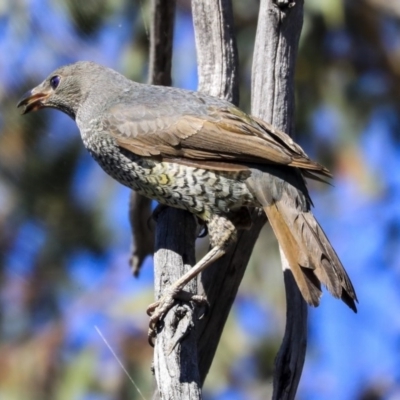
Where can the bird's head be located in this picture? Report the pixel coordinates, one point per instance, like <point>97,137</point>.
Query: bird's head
<point>64,89</point>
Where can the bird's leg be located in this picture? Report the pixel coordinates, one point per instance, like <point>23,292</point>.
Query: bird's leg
<point>159,309</point>
<point>222,233</point>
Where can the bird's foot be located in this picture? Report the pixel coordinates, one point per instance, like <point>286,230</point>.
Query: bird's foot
<point>158,310</point>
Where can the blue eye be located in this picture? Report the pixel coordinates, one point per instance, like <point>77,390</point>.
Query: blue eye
<point>55,81</point>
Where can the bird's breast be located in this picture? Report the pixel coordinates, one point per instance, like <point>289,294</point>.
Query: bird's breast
<point>200,191</point>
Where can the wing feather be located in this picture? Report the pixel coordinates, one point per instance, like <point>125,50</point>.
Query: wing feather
<point>225,135</point>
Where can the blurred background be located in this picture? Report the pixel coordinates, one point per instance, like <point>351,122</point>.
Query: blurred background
<point>70,310</point>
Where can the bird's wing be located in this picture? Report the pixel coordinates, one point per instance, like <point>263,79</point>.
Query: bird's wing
<point>221,138</point>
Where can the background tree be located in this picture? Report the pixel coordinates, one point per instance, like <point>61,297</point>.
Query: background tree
<point>64,234</point>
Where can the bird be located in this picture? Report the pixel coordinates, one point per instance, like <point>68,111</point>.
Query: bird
<point>200,153</point>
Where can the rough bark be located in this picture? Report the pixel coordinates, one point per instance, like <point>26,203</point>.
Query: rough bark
<point>175,361</point>
<point>175,352</point>
<point>217,61</point>
<point>217,56</point>
<point>278,33</point>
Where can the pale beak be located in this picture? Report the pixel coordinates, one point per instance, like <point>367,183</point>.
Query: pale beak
<point>34,99</point>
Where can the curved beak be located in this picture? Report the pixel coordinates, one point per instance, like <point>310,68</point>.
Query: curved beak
<point>34,99</point>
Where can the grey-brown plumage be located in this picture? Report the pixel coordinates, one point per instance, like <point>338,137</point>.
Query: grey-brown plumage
<point>193,151</point>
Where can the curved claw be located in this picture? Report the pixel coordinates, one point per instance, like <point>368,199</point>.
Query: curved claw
<point>157,310</point>
<point>151,308</point>
<point>151,335</point>
<point>203,302</point>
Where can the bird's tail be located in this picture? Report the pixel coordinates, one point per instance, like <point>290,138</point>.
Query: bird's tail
<point>310,255</point>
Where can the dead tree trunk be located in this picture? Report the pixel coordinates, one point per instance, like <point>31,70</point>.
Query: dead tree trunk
<point>278,33</point>
<point>175,359</point>
<point>185,347</point>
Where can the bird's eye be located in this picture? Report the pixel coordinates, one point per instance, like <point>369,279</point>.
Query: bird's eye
<point>55,81</point>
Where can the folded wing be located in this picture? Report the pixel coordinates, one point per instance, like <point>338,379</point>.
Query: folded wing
<point>224,137</point>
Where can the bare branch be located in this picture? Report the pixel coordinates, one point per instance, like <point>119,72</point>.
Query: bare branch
<point>221,282</point>
<point>161,35</point>
<point>161,38</point>
<point>278,33</point>
<point>142,235</point>
<point>217,56</point>
<point>175,359</point>
<point>217,69</point>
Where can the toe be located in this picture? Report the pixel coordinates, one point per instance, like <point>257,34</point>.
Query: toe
<point>151,308</point>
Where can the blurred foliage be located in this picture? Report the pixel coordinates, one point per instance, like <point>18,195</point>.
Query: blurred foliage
<point>67,296</point>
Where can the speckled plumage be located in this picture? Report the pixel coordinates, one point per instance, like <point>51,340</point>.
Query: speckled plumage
<point>200,191</point>
<point>200,153</point>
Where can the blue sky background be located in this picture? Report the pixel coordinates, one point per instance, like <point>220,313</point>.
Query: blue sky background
<point>56,289</point>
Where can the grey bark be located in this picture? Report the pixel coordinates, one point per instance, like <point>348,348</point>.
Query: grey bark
<point>175,359</point>
<point>278,32</point>
<point>217,61</point>
<point>175,352</point>
<point>217,56</point>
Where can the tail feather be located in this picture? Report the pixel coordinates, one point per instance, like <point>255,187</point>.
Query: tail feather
<point>309,287</point>
<point>339,283</point>
<point>311,257</point>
